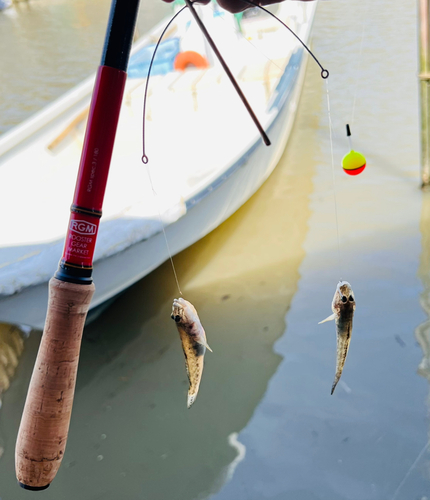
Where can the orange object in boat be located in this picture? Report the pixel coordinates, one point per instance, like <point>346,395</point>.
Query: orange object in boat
<point>190,58</point>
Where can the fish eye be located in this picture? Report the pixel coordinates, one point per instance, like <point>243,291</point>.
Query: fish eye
<point>351,298</point>
<point>344,299</point>
<point>177,319</point>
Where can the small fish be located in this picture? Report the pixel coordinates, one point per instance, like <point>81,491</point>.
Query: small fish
<point>343,307</point>
<point>194,345</point>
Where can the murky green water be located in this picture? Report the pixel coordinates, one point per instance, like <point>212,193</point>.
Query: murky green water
<point>264,425</point>
<point>48,46</point>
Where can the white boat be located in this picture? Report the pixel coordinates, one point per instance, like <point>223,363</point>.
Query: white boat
<point>206,157</point>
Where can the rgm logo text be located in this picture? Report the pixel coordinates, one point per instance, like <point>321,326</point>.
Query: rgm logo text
<point>82,227</point>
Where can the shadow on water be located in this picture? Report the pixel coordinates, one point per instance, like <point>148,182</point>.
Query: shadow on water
<point>131,433</point>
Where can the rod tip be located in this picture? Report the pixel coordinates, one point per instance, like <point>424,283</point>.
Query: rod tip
<point>33,488</point>
<point>348,131</point>
<point>266,139</point>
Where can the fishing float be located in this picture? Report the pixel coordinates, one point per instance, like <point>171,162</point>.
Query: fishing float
<point>353,163</point>
<point>45,421</point>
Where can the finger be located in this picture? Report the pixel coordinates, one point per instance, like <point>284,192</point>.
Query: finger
<point>233,6</point>
<point>203,2</point>
<point>270,2</point>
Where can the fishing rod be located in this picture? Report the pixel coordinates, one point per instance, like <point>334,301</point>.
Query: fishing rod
<point>46,416</point>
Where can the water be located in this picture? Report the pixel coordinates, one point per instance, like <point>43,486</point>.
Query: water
<point>50,46</point>
<point>264,425</point>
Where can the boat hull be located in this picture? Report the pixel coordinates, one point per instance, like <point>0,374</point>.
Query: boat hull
<point>205,211</point>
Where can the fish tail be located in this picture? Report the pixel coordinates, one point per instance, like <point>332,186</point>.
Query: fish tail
<point>190,399</point>
<point>343,340</point>
<point>336,380</point>
<point>193,390</point>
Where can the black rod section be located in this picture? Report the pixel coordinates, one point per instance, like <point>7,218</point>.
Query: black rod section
<point>119,33</point>
<point>229,73</point>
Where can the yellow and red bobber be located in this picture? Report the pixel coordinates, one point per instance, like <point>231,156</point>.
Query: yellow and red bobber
<point>353,163</point>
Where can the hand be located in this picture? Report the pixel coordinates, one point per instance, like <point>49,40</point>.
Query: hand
<point>237,5</point>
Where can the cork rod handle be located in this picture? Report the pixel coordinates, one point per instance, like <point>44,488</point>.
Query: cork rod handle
<point>45,421</point>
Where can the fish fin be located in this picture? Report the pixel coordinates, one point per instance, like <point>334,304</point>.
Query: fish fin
<point>205,344</point>
<point>330,318</point>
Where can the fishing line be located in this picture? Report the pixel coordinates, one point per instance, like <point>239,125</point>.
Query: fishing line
<point>330,126</point>
<point>238,32</point>
<point>228,72</point>
<point>162,227</point>
<point>144,157</point>
<point>244,181</point>
<point>189,4</point>
<point>353,163</point>
<point>324,72</point>
<point>360,58</point>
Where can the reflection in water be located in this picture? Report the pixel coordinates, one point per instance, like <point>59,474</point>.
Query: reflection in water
<point>423,331</point>
<point>241,454</point>
<point>11,347</point>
